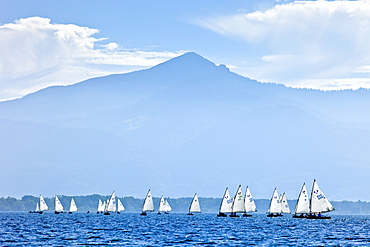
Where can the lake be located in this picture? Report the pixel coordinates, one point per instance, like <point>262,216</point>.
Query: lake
<point>179,229</point>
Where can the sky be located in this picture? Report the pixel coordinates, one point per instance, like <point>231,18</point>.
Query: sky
<point>310,44</point>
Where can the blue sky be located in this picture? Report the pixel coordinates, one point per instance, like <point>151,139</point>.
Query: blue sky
<point>312,44</point>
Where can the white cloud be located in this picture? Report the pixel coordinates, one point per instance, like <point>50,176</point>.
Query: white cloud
<point>35,53</point>
<point>303,40</point>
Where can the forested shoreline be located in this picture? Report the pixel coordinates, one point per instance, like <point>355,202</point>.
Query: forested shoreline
<point>90,202</point>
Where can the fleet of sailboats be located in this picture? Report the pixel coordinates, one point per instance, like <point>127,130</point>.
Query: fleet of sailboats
<point>309,208</point>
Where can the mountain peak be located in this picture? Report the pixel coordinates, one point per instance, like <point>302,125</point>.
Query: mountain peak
<point>189,61</point>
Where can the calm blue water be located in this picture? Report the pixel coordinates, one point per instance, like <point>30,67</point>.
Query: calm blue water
<point>176,229</point>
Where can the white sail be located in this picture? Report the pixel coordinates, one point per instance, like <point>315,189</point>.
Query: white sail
<point>226,203</point>
<point>195,206</point>
<point>303,206</point>
<point>167,207</point>
<point>120,206</point>
<point>162,205</point>
<point>100,206</point>
<point>284,204</point>
<point>73,206</point>
<point>275,205</point>
<point>58,205</point>
<point>111,205</point>
<point>319,202</point>
<point>148,205</point>
<point>238,202</point>
<point>104,206</point>
<point>37,207</point>
<point>42,204</point>
<point>249,204</point>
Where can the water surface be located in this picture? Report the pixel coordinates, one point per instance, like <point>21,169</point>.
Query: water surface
<point>177,229</point>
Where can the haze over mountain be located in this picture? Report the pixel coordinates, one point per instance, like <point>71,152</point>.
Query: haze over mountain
<point>185,126</point>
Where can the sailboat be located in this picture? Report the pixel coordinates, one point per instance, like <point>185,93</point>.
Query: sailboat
<point>275,205</point>
<point>72,206</point>
<point>111,205</point>
<point>100,207</point>
<point>58,206</point>
<point>238,203</point>
<point>42,205</point>
<point>162,205</point>
<point>194,206</point>
<point>120,206</point>
<point>167,207</point>
<point>284,204</point>
<point>226,204</point>
<point>302,208</point>
<point>249,203</point>
<point>148,205</point>
<point>318,203</point>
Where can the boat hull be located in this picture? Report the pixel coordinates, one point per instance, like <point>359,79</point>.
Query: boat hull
<point>316,217</point>
<point>247,215</point>
<point>299,216</point>
<point>234,215</point>
<point>222,215</point>
<point>274,215</point>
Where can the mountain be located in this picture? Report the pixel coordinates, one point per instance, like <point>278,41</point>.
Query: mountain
<point>184,126</point>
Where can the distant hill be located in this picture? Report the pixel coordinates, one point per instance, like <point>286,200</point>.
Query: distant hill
<point>184,126</point>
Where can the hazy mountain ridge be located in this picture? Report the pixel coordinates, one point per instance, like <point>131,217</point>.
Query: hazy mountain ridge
<point>184,126</point>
